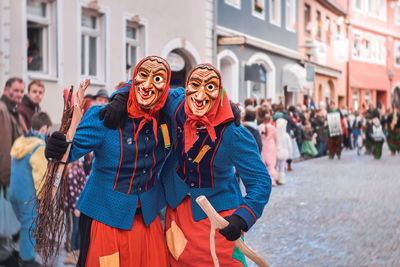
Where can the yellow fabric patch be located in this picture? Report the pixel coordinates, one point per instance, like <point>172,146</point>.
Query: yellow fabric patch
<point>176,240</point>
<point>39,166</point>
<point>164,130</point>
<point>201,154</point>
<point>110,260</point>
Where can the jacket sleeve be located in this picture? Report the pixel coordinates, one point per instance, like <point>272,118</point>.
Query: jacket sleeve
<point>253,172</point>
<point>38,163</point>
<point>5,147</point>
<point>89,134</point>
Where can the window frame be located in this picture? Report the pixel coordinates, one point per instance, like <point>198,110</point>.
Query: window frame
<point>397,15</point>
<point>396,44</point>
<point>278,11</point>
<point>101,45</point>
<point>290,14</point>
<point>255,13</point>
<point>50,36</point>
<point>237,5</point>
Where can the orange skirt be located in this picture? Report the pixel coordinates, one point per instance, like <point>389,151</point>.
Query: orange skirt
<point>188,241</point>
<point>140,246</point>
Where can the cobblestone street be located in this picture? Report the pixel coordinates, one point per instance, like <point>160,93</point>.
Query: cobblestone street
<point>333,213</point>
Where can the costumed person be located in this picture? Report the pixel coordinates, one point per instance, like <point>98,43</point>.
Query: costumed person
<point>393,124</point>
<point>119,205</point>
<point>268,152</point>
<point>335,125</point>
<point>28,167</point>
<point>375,132</point>
<point>308,148</point>
<point>369,114</point>
<point>284,148</point>
<point>208,148</point>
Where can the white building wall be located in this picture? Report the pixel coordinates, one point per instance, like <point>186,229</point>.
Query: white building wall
<point>163,21</point>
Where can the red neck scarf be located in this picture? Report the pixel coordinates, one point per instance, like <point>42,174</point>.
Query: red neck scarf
<point>135,111</point>
<point>221,112</point>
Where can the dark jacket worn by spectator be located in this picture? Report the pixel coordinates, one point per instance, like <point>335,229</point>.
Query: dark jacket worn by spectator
<point>27,108</point>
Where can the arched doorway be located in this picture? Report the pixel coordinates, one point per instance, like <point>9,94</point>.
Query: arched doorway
<point>228,64</point>
<point>265,85</point>
<point>182,57</point>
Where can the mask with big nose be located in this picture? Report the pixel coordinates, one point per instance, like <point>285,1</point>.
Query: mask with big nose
<point>202,90</point>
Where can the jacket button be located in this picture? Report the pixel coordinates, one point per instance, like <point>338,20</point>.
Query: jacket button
<point>189,158</point>
<point>191,170</point>
<point>146,155</point>
<point>192,184</point>
<point>144,171</point>
<point>147,131</point>
<point>147,139</point>
<point>140,189</point>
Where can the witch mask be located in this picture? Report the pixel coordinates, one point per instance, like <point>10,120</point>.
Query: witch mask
<point>202,90</point>
<point>150,82</point>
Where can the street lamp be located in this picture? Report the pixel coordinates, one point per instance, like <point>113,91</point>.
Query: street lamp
<point>391,74</point>
<point>309,46</point>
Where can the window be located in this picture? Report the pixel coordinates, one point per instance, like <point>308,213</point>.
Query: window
<point>377,8</point>
<point>41,37</point>
<point>319,28</point>
<point>370,48</point>
<point>381,50</point>
<point>307,20</point>
<point>275,12</point>
<point>92,44</point>
<point>397,15</point>
<point>355,98</point>
<point>357,45</point>
<point>397,53</point>
<point>234,3</point>
<point>358,5</point>
<point>133,45</point>
<point>339,35</point>
<point>328,30</point>
<point>291,15</point>
<point>258,8</point>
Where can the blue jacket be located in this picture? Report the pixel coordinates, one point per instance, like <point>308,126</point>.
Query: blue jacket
<point>235,148</point>
<point>28,167</point>
<point>123,171</point>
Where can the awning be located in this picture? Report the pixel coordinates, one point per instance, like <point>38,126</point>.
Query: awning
<point>294,77</point>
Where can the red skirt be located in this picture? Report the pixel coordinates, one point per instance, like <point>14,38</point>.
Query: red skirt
<point>188,241</point>
<point>141,246</point>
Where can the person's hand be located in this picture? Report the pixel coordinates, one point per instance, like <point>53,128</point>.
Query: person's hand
<point>77,213</point>
<point>56,146</point>
<point>235,227</point>
<point>236,113</point>
<point>115,112</point>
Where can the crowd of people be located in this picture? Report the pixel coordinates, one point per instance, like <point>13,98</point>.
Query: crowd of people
<point>301,132</point>
<point>25,128</point>
<point>281,135</point>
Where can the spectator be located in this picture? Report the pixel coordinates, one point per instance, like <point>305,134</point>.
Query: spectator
<point>101,98</point>
<point>308,149</point>
<point>268,152</point>
<point>248,102</point>
<point>27,170</point>
<point>31,101</point>
<point>76,181</point>
<point>251,125</point>
<point>11,126</point>
<point>283,148</point>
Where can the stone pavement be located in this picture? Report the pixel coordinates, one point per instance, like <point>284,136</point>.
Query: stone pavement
<point>333,213</point>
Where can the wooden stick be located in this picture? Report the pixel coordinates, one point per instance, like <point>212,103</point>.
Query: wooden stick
<point>217,222</point>
<point>76,118</point>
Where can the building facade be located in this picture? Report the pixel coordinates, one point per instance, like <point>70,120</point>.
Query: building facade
<point>323,43</point>
<point>62,42</point>
<point>257,50</point>
<point>374,66</point>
